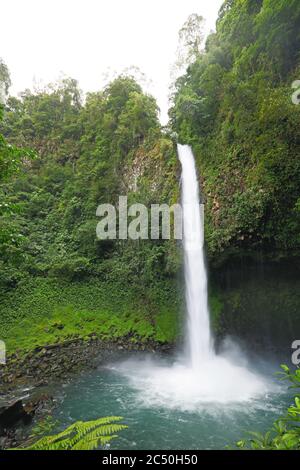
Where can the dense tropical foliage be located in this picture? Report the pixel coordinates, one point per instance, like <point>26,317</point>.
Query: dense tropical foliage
<point>234,105</point>
<point>87,153</point>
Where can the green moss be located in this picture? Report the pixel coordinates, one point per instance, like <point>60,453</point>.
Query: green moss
<point>216,307</point>
<point>47,311</point>
<point>167,326</point>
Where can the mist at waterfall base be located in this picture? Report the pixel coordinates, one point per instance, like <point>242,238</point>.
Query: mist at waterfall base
<point>198,376</point>
<point>162,418</point>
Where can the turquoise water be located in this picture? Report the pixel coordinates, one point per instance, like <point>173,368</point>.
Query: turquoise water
<point>151,426</point>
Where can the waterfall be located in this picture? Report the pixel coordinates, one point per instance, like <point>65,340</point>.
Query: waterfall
<point>200,377</point>
<point>198,340</point>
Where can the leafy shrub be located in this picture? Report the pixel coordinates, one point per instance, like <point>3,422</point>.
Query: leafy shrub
<point>285,433</point>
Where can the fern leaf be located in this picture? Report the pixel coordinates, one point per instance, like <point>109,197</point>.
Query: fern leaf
<point>82,435</point>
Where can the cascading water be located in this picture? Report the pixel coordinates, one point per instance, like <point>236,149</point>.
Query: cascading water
<point>200,376</point>
<point>199,343</point>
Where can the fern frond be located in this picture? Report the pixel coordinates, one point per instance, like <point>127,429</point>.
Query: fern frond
<point>92,444</point>
<point>102,426</point>
<point>82,435</point>
<point>99,433</point>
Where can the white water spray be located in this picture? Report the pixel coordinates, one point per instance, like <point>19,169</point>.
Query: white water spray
<point>198,329</point>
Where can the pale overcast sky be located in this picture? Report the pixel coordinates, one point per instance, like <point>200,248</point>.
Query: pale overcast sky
<point>84,38</point>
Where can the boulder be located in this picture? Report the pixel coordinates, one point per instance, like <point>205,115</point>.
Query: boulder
<point>10,416</point>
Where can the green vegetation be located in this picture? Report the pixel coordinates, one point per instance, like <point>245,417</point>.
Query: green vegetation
<point>58,281</point>
<point>234,106</point>
<point>43,427</point>
<point>48,311</point>
<point>285,434</point>
<point>87,435</point>
<point>87,155</point>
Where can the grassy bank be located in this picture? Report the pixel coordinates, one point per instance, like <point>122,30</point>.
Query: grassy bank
<point>46,311</point>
